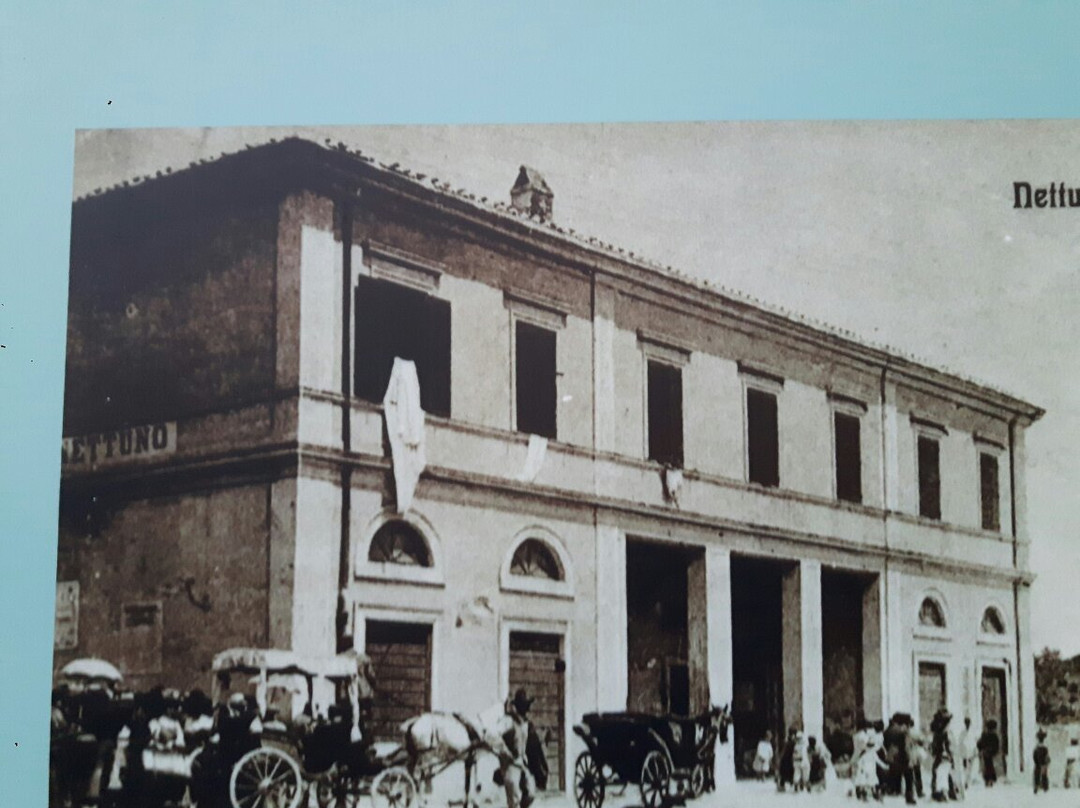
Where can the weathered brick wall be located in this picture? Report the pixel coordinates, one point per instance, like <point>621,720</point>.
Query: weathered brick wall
<point>201,557</point>
<point>171,310</point>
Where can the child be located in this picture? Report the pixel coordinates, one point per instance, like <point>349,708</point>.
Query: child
<point>1072,755</point>
<point>867,768</point>
<point>800,763</point>
<point>1041,759</point>
<point>815,766</point>
<point>764,756</point>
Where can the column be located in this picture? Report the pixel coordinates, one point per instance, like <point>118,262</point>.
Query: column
<point>316,561</point>
<point>603,347</point>
<point>719,649</point>
<point>898,687</point>
<point>890,462</point>
<point>611,642</point>
<point>803,685</point>
<point>1025,678</point>
<point>873,650</point>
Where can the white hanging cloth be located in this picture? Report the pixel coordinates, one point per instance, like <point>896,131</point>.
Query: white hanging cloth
<point>405,428</point>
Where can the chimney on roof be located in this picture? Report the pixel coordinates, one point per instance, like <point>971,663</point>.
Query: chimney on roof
<point>531,194</point>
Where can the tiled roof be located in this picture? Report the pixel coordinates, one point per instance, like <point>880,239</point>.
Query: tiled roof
<point>621,254</point>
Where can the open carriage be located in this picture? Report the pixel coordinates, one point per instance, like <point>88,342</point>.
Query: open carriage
<point>308,731</point>
<point>669,758</point>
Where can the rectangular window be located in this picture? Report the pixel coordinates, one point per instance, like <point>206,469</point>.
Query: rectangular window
<point>929,478</point>
<point>988,486</point>
<point>665,414</point>
<point>848,457</point>
<point>762,438</point>
<point>534,369</point>
<point>395,321</point>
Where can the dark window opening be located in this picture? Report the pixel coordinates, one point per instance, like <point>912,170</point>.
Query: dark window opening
<point>931,614</point>
<point>929,478</point>
<point>394,321</point>
<point>762,438</point>
<point>992,622</point>
<point>665,414</point>
<point>533,559</point>
<point>534,363</point>
<point>988,486</point>
<point>848,458</point>
<point>398,542</point>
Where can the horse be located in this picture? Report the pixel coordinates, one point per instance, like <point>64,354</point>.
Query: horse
<point>435,740</point>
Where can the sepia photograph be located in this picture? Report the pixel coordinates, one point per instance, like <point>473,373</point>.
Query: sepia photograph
<point>576,465</point>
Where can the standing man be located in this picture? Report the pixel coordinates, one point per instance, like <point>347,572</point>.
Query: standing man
<point>516,776</point>
<point>1041,759</point>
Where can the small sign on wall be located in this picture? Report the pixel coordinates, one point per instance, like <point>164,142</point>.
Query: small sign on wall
<point>119,446</point>
<point>66,636</point>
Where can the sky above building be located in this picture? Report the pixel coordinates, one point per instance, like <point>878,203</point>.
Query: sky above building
<point>905,233</point>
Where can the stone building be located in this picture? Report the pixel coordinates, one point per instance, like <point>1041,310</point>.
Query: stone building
<point>640,492</point>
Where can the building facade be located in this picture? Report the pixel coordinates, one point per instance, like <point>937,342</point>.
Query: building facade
<point>639,492</point>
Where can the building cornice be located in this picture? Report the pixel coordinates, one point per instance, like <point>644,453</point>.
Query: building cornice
<point>340,173</point>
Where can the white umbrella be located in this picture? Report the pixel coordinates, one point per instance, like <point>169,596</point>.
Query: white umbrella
<point>91,669</point>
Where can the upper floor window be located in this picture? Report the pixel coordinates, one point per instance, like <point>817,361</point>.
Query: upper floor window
<point>535,379</point>
<point>396,321</point>
<point>762,437</point>
<point>931,614</point>
<point>992,621</point>
<point>665,402</point>
<point>929,476</point>
<point>989,493</point>
<point>398,542</point>
<point>847,446</point>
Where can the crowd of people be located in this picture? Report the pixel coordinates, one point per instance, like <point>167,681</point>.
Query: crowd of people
<point>143,749</point>
<point>891,760</point>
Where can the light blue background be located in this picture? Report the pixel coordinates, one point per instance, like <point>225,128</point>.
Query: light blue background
<point>215,63</point>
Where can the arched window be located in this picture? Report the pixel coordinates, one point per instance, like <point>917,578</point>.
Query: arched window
<point>931,614</point>
<point>534,559</point>
<point>398,542</point>
<point>992,621</point>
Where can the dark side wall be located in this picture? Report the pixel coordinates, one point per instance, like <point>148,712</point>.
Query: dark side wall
<point>171,309</point>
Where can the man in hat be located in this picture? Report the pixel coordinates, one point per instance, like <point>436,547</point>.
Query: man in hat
<point>513,762</point>
<point>942,785</point>
<point>1041,759</point>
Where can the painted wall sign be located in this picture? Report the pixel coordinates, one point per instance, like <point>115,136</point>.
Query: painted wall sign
<point>67,615</point>
<point>119,446</point>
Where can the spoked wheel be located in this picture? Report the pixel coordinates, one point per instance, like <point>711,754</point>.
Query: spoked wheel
<point>588,782</point>
<point>335,789</point>
<point>655,778</point>
<point>265,778</point>
<point>697,781</point>
<point>393,788</point>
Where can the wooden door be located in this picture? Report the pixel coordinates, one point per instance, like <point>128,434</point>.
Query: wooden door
<point>536,664</point>
<point>931,692</point>
<point>401,656</point>
<point>995,708</point>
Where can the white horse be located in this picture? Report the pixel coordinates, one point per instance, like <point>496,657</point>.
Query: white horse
<point>436,740</point>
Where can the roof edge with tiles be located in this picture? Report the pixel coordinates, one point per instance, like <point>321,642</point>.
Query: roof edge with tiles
<point>338,169</point>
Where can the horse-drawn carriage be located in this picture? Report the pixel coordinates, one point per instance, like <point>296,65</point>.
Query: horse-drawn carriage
<point>668,757</point>
<point>309,732</point>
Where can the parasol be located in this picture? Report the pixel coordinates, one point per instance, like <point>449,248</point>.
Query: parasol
<point>89,668</point>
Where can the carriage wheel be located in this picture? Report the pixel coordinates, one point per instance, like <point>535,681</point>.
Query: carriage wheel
<point>393,788</point>
<point>265,778</point>
<point>655,778</point>
<point>588,782</point>
<point>697,780</point>
<point>335,789</point>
